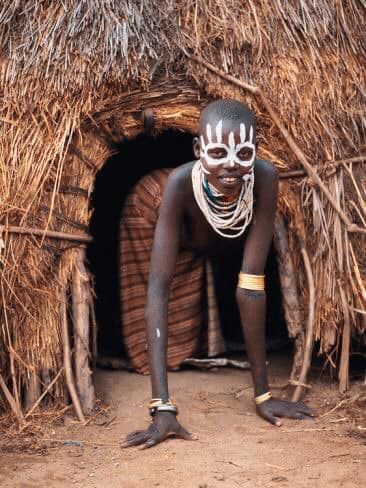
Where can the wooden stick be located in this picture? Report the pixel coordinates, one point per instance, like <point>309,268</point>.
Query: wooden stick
<point>298,357</point>
<point>13,405</point>
<point>309,339</point>
<point>298,173</point>
<point>341,403</point>
<point>290,299</point>
<point>361,201</point>
<point>255,90</point>
<point>246,86</point>
<point>297,383</point>
<point>31,410</point>
<point>94,330</point>
<point>287,277</point>
<point>80,310</point>
<point>306,345</point>
<point>88,443</point>
<point>32,390</point>
<point>11,359</point>
<point>343,373</point>
<point>20,360</point>
<point>357,273</point>
<point>67,359</point>
<point>46,233</point>
<point>307,430</point>
<point>295,173</point>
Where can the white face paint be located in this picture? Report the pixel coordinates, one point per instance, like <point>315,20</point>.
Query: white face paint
<point>157,333</point>
<point>231,149</point>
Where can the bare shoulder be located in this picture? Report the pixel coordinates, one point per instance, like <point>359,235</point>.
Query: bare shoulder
<point>266,178</point>
<point>265,171</point>
<point>182,172</point>
<point>180,178</point>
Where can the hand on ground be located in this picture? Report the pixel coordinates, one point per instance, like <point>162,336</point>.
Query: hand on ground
<point>274,408</point>
<point>164,425</point>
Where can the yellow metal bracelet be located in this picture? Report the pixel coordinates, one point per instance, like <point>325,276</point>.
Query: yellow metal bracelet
<point>251,282</point>
<point>263,398</point>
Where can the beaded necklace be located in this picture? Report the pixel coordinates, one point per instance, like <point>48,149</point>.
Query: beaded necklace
<point>234,217</point>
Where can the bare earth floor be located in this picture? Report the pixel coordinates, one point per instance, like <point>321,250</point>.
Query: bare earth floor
<point>235,448</point>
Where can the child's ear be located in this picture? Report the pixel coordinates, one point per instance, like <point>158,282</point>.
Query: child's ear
<point>196,148</point>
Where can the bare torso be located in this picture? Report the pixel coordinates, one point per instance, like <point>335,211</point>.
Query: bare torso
<point>196,234</point>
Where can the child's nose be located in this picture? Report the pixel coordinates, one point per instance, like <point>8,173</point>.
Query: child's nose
<point>230,163</point>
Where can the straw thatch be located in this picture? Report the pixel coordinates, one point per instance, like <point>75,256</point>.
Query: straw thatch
<point>75,77</point>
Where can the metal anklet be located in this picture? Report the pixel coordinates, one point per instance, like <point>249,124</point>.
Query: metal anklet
<point>262,398</point>
<point>158,405</point>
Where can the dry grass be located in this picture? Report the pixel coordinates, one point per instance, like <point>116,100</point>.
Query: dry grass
<point>73,68</point>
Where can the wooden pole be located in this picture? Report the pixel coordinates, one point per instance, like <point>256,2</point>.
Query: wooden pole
<point>331,165</point>
<point>14,401</point>
<point>286,271</point>
<point>290,298</point>
<point>343,374</point>
<point>309,338</point>
<point>63,236</point>
<point>13,404</point>
<point>80,309</point>
<point>67,359</point>
<point>94,330</point>
<point>32,390</point>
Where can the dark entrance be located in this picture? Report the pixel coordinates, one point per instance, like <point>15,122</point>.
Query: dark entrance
<point>136,158</point>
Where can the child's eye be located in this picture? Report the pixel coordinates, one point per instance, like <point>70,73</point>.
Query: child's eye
<point>245,153</point>
<point>217,153</point>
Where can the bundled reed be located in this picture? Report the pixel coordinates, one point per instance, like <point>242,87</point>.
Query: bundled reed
<point>75,77</point>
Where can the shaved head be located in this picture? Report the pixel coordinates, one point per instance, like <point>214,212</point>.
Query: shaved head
<point>227,144</point>
<point>231,112</point>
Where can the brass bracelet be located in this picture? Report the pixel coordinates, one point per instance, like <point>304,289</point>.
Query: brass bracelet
<point>262,398</point>
<point>154,402</point>
<point>164,408</point>
<point>251,282</point>
<point>158,405</point>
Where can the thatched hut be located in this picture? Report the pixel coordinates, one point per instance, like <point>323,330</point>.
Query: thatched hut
<point>78,77</point>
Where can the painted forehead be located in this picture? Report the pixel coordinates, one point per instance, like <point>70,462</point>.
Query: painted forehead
<point>237,132</point>
<point>222,129</point>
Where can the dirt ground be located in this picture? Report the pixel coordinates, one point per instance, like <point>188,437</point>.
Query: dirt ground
<point>235,448</point>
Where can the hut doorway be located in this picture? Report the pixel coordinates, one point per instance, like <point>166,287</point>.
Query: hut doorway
<point>135,158</point>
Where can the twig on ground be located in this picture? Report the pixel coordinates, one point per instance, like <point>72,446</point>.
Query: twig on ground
<point>282,468</point>
<point>110,421</point>
<point>341,403</point>
<point>308,430</point>
<point>215,362</point>
<point>87,443</point>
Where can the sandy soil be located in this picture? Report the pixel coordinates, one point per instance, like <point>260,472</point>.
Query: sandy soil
<point>235,448</point>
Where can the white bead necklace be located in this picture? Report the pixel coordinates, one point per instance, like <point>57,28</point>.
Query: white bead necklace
<point>235,217</point>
